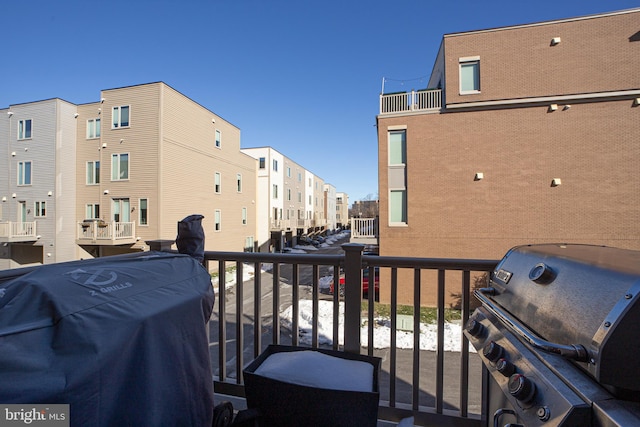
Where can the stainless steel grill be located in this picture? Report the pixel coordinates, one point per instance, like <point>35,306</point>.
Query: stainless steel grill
<point>559,333</point>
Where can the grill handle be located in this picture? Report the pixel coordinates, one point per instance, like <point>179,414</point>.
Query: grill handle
<point>573,351</point>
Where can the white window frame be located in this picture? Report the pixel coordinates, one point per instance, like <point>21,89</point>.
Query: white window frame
<point>23,176</point>
<point>463,63</point>
<point>218,139</point>
<point>145,210</point>
<point>239,182</point>
<point>22,129</point>
<point>262,163</point>
<point>274,191</point>
<point>116,173</point>
<point>94,128</point>
<point>94,168</point>
<point>92,210</point>
<point>40,209</point>
<point>217,220</point>
<point>244,216</point>
<point>405,208</point>
<point>217,183</point>
<point>275,165</point>
<point>403,146</point>
<point>116,117</point>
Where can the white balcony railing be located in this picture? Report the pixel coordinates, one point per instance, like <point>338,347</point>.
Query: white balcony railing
<point>102,232</point>
<point>421,100</point>
<point>17,231</point>
<point>364,230</point>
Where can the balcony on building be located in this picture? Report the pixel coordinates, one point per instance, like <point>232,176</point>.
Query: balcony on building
<point>103,233</point>
<point>14,232</point>
<point>420,101</point>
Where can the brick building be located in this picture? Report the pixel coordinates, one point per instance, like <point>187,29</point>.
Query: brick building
<point>526,134</point>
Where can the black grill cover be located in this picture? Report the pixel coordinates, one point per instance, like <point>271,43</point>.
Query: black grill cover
<point>121,339</point>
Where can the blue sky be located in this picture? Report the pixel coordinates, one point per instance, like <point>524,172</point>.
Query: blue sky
<point>300,76</point>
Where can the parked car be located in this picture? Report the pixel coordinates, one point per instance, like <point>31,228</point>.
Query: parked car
<point>365,283</point>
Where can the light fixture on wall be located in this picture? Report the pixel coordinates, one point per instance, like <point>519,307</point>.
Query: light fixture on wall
<point>38,237</point>
<point>14,195</point>
<point>13,154</point>
<point>566,107</point>
<point>555,41</point>
<point>75,116</point>
<point>4,198</point>
<point>101,100</point>
<point>105,192</point>
<point>121,141</point>
<point>104,145</point>
<point>9,113</point>
<point>213,120</point>
<point>636,102</point>
<point>50,193</point>
<point>556,182</point>
<point>553,107</point>
<point>479,176</point>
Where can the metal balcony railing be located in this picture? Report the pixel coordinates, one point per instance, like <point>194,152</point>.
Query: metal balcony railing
<point>243,325</point>
<point>403,102</point>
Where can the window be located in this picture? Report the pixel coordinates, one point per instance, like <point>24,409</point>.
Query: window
<point>244,216</point>
<point>217,220</point>
<point>218,139</point>
<point>119,167</point>
<point>24,129</point>
<point>288,172</point>
<point>24,173</point>
<point>120,210</point>
<point>310,202</point>
<point>288,194</point>
<point>40,209</point>
<point>275,191</point>
<point>92,211</point>
<point>275,165</point>
<point>120,116</point>
<point>299,177</point>
<point>398,207</point>
<point>262,162</point>
<point>469,75</point>
<point>218,183</point>
<point>299,197</point>
<point>93,128</point>
<point>397,147</point>
<point>143,212</point>
<point>93,173</point>
<point>239,182</point>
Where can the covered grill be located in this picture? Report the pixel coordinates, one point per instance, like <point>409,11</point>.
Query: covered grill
<point>559,335</point>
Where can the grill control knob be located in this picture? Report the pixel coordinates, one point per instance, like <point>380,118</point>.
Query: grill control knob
<point>542,274</point>
<point>492,351</point>
<point>475,328</point>
<point>505,367</point>
<point>521,388</point>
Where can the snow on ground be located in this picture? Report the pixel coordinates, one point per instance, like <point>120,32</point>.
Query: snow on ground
<point>381,334</point>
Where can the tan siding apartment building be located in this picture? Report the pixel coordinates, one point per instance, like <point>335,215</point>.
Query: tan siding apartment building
<point>532,137</point>
<point>162,157</point>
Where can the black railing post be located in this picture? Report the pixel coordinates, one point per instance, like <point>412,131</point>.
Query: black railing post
<point>160,245</point>
<point>352,296</point>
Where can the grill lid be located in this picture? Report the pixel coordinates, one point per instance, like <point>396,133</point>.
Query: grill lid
<point>580,301</point>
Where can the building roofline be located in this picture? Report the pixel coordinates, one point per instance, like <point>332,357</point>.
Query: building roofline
<point>40,100</point>
<point>536,24</point>
<point>174,89</point>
